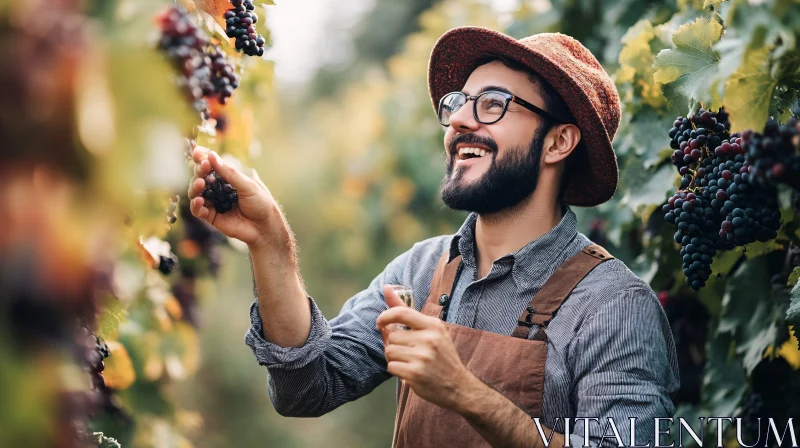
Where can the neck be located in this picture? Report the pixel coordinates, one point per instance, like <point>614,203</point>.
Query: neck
<point>509,230</point>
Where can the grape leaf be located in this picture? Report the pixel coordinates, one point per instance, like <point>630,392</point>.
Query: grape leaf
<point>750,312</point>
<point>724,381</point>
<point>113,314</point>
<point>749,90</point>
<point>793,313</point>
<point>794,276</point>
<point>687,70</point>
<point>212,26</point>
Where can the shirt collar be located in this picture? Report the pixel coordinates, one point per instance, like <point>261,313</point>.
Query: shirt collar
<point>535,256</point>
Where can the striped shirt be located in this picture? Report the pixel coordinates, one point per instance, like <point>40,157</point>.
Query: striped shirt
<point>610,348</point>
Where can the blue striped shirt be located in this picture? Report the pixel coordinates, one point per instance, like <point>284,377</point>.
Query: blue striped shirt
<point>610,348</point>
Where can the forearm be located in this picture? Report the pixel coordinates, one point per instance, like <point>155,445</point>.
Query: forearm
<point>282,299</point>
<point>500,422</point>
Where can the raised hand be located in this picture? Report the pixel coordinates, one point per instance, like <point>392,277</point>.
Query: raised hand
<point>256,219</point>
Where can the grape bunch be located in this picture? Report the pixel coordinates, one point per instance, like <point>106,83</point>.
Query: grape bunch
<point>185,43</point>
<point>223,75</point>
<point>220,193</point>
<point>717,206</point>
<point>689,134</point>
<point>751,212</point>
<point>241,25</point>
<point>774,154</point>
<point>92,352</point>
<point>695,234</point>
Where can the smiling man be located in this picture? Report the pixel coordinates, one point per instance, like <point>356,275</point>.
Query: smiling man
<point>527,334</point>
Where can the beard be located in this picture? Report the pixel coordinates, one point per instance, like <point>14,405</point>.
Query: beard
<point>504,184</point>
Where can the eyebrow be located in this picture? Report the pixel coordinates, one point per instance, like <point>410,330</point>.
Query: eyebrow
<point>498,88</point>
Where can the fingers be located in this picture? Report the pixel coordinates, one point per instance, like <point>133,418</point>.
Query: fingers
<point>400,369</point>
<point>198,155</point>
<point>406,316</point>
<point>196,188</point>
<point>243,184</point>
<point>198,208</point>
<point>402,353</point>
<point>391,297</point>
<point>202,169</point>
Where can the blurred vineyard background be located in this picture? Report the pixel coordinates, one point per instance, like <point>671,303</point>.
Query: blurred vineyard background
<point>94,134</point>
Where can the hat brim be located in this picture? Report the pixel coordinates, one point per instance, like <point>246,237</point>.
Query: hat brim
<point>456,54</point>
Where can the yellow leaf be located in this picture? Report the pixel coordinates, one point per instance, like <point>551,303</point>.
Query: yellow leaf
<point>173,308</point>
<point>789,351</point>
<point>118,372</point>
<point>748,91</point>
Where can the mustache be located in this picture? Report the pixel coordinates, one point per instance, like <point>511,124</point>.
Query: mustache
<point>471,139</point>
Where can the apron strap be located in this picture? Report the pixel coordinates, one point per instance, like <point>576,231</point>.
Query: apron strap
<point>442,285</point>
<point>557,288</point>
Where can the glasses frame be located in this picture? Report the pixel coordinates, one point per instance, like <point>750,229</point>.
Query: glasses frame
<point>509,98</point>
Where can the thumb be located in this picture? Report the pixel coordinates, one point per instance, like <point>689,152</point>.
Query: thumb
<point>391,297</point>
<point>243,184</point>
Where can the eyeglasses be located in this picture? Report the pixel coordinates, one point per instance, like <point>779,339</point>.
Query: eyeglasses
<point>489,107</point>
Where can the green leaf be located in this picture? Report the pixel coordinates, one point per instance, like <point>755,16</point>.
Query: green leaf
<point>749,90</point>
<point>759,248</point>
<point>646,187</point>
<point>794,276</point>
<point>724,381</point>
<point>112,315</point>
<point>688,69</point>
<point>750,312</point>
<point>793,313</point>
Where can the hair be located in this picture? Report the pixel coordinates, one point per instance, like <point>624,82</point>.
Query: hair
<point>554,104</point>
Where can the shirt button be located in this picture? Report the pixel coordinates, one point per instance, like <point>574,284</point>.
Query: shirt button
<point>443,299</point>
<point>443,315</point>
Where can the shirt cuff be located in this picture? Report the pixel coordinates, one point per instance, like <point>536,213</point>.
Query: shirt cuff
<point>274,356</point>
<point>577,441</point>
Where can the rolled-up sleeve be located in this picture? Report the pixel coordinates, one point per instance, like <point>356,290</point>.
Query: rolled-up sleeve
<point>625,367</point>
<point>342,359</point>
<point>271,355</point>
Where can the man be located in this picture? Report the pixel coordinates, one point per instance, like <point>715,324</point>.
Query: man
<point>526,322</point>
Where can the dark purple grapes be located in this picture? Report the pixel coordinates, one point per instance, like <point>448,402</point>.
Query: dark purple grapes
<point>241,25</point>
<point>717,206</point>
<point>91,352</point>
<point>691,136</point>
<point>774,155</point>
<point>220,193</point>
<point>223,74</point>
<point>184,44</point>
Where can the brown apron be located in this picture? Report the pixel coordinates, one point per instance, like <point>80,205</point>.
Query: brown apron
<point>512,365</point>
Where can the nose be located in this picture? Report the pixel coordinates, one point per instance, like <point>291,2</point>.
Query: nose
<point>463,121</point>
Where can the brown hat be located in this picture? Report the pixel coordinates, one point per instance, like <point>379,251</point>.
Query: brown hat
<point>574,73</point>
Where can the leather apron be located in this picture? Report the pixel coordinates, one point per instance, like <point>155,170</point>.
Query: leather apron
<point>512,365</point>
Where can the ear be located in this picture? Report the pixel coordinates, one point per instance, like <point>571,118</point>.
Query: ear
<point>563,139</point>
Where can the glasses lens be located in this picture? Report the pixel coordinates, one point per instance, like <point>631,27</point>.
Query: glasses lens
<point>490,106</point>
<point>449,105</point>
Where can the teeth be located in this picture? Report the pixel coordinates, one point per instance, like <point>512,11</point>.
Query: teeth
<point>477,151</point>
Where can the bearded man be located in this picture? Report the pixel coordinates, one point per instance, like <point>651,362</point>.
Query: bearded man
<point>531,335</point>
